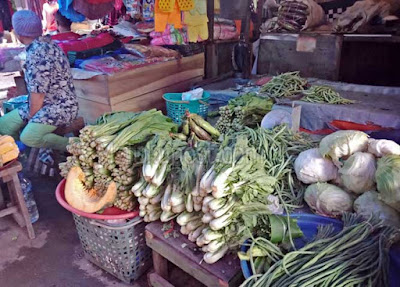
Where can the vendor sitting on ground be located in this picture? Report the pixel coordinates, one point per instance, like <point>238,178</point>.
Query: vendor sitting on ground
<point>64,29</point>
<point>52,99</point>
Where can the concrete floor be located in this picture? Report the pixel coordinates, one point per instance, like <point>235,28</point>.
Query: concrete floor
<point>55,257</point>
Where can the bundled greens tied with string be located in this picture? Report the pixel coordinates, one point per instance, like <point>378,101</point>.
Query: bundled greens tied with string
<point>112,150</point>
<point>356,256</point>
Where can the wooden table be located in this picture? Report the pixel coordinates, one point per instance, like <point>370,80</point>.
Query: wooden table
<point>188,257</point>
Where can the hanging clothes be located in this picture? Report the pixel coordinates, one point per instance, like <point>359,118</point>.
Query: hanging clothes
<point>66,9</point>
<point>197,22</point>
<point>161,19</point>
<point>118,11</point>
<point>6,13</point>
<point>93,11</point>
<point>49,11</point>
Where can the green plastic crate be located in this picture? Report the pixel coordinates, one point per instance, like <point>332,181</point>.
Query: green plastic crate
<point>176,108</point>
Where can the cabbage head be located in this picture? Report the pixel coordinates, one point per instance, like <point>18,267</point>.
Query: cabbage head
<point>358,172</point>
<point>342,144</point>
<point>369,204</point>
<point>311,167</point>
<point>328,200</point>
<point>388,180</point>
<point>380,148</point>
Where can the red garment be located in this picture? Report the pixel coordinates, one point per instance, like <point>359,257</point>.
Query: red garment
<point>93,11</point>
<point>88,43</point>
<point>49,11</point>
<point>67,36</point>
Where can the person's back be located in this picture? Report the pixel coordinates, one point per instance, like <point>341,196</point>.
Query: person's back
<point>64,29</point>
<point>52,99</point>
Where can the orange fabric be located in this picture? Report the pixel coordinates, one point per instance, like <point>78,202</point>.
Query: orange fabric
<point>161,19</point>
<point>239,26</point>
<point>345,125</point>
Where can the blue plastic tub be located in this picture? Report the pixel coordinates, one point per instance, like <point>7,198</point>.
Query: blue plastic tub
<point>309,223</point>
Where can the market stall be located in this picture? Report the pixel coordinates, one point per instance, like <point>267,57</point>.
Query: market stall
<point>138,89</point>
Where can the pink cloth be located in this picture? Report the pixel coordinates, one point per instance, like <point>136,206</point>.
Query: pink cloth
<point>225,32</point>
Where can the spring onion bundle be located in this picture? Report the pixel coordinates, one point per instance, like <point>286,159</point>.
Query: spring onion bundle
<point>325,95</point>
<point>112,150</point>
<point>284,85</point>
<point>356,256</point>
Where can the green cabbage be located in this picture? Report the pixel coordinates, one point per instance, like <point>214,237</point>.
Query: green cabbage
<point>358,172</point>
<point>388,180</point>
<point>328,200</point>
<point>311,167</point>
<point>369,204</point>
<point>343,144</point>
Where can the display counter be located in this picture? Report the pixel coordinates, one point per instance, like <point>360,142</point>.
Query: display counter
<point>139,89</point>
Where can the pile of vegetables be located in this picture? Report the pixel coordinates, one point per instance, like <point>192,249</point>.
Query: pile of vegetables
<point>347,165</point>
<point>356,256</point>
<point>194,127</point>
<point>112,150</point>
<point>220,193</point>
<point>285,85</point>
<point>8,150</point>
<point>246,110</point>
<point>324,95</point>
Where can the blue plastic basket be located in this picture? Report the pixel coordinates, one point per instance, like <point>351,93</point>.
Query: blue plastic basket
<point>308,223</point>
<point>176,108</point>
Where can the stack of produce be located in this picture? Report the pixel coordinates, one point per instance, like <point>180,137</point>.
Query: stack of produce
<point>246,110</point>
<point>112,151</point>
<point>285,85</point>
<point>291,84</point>
<point>196,128</point>
<point>348,171</point>
<point>323,94</point>
<point>8,150</point>
<point>356,256</point>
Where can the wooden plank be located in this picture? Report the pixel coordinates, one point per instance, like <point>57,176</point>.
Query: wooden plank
<point>125,85</point>
<point>278,54</point>
<point>155,280</point>
<point>187,256</point>
<point>8,173</point>
<point>160,265</point>
<point>94,89</point>
<point>8,211</point>
<point>90,110</point>
<point>154,99</point>
<point>15,186</point>
<point>168,81</point>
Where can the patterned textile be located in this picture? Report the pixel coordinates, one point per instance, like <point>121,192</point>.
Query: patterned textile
<point>334,8</point>
<point>47,72</point>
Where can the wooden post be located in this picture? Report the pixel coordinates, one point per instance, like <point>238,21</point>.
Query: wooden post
<point>160,265</point>
<point>211,65</point>
<point>245,32</point>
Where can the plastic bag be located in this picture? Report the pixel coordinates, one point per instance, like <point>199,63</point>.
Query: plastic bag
<point>275,118</point>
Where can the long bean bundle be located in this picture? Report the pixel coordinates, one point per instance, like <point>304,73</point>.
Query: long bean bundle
<point>356,256</point>
<point>285,85</point>
<point>325,95</point>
